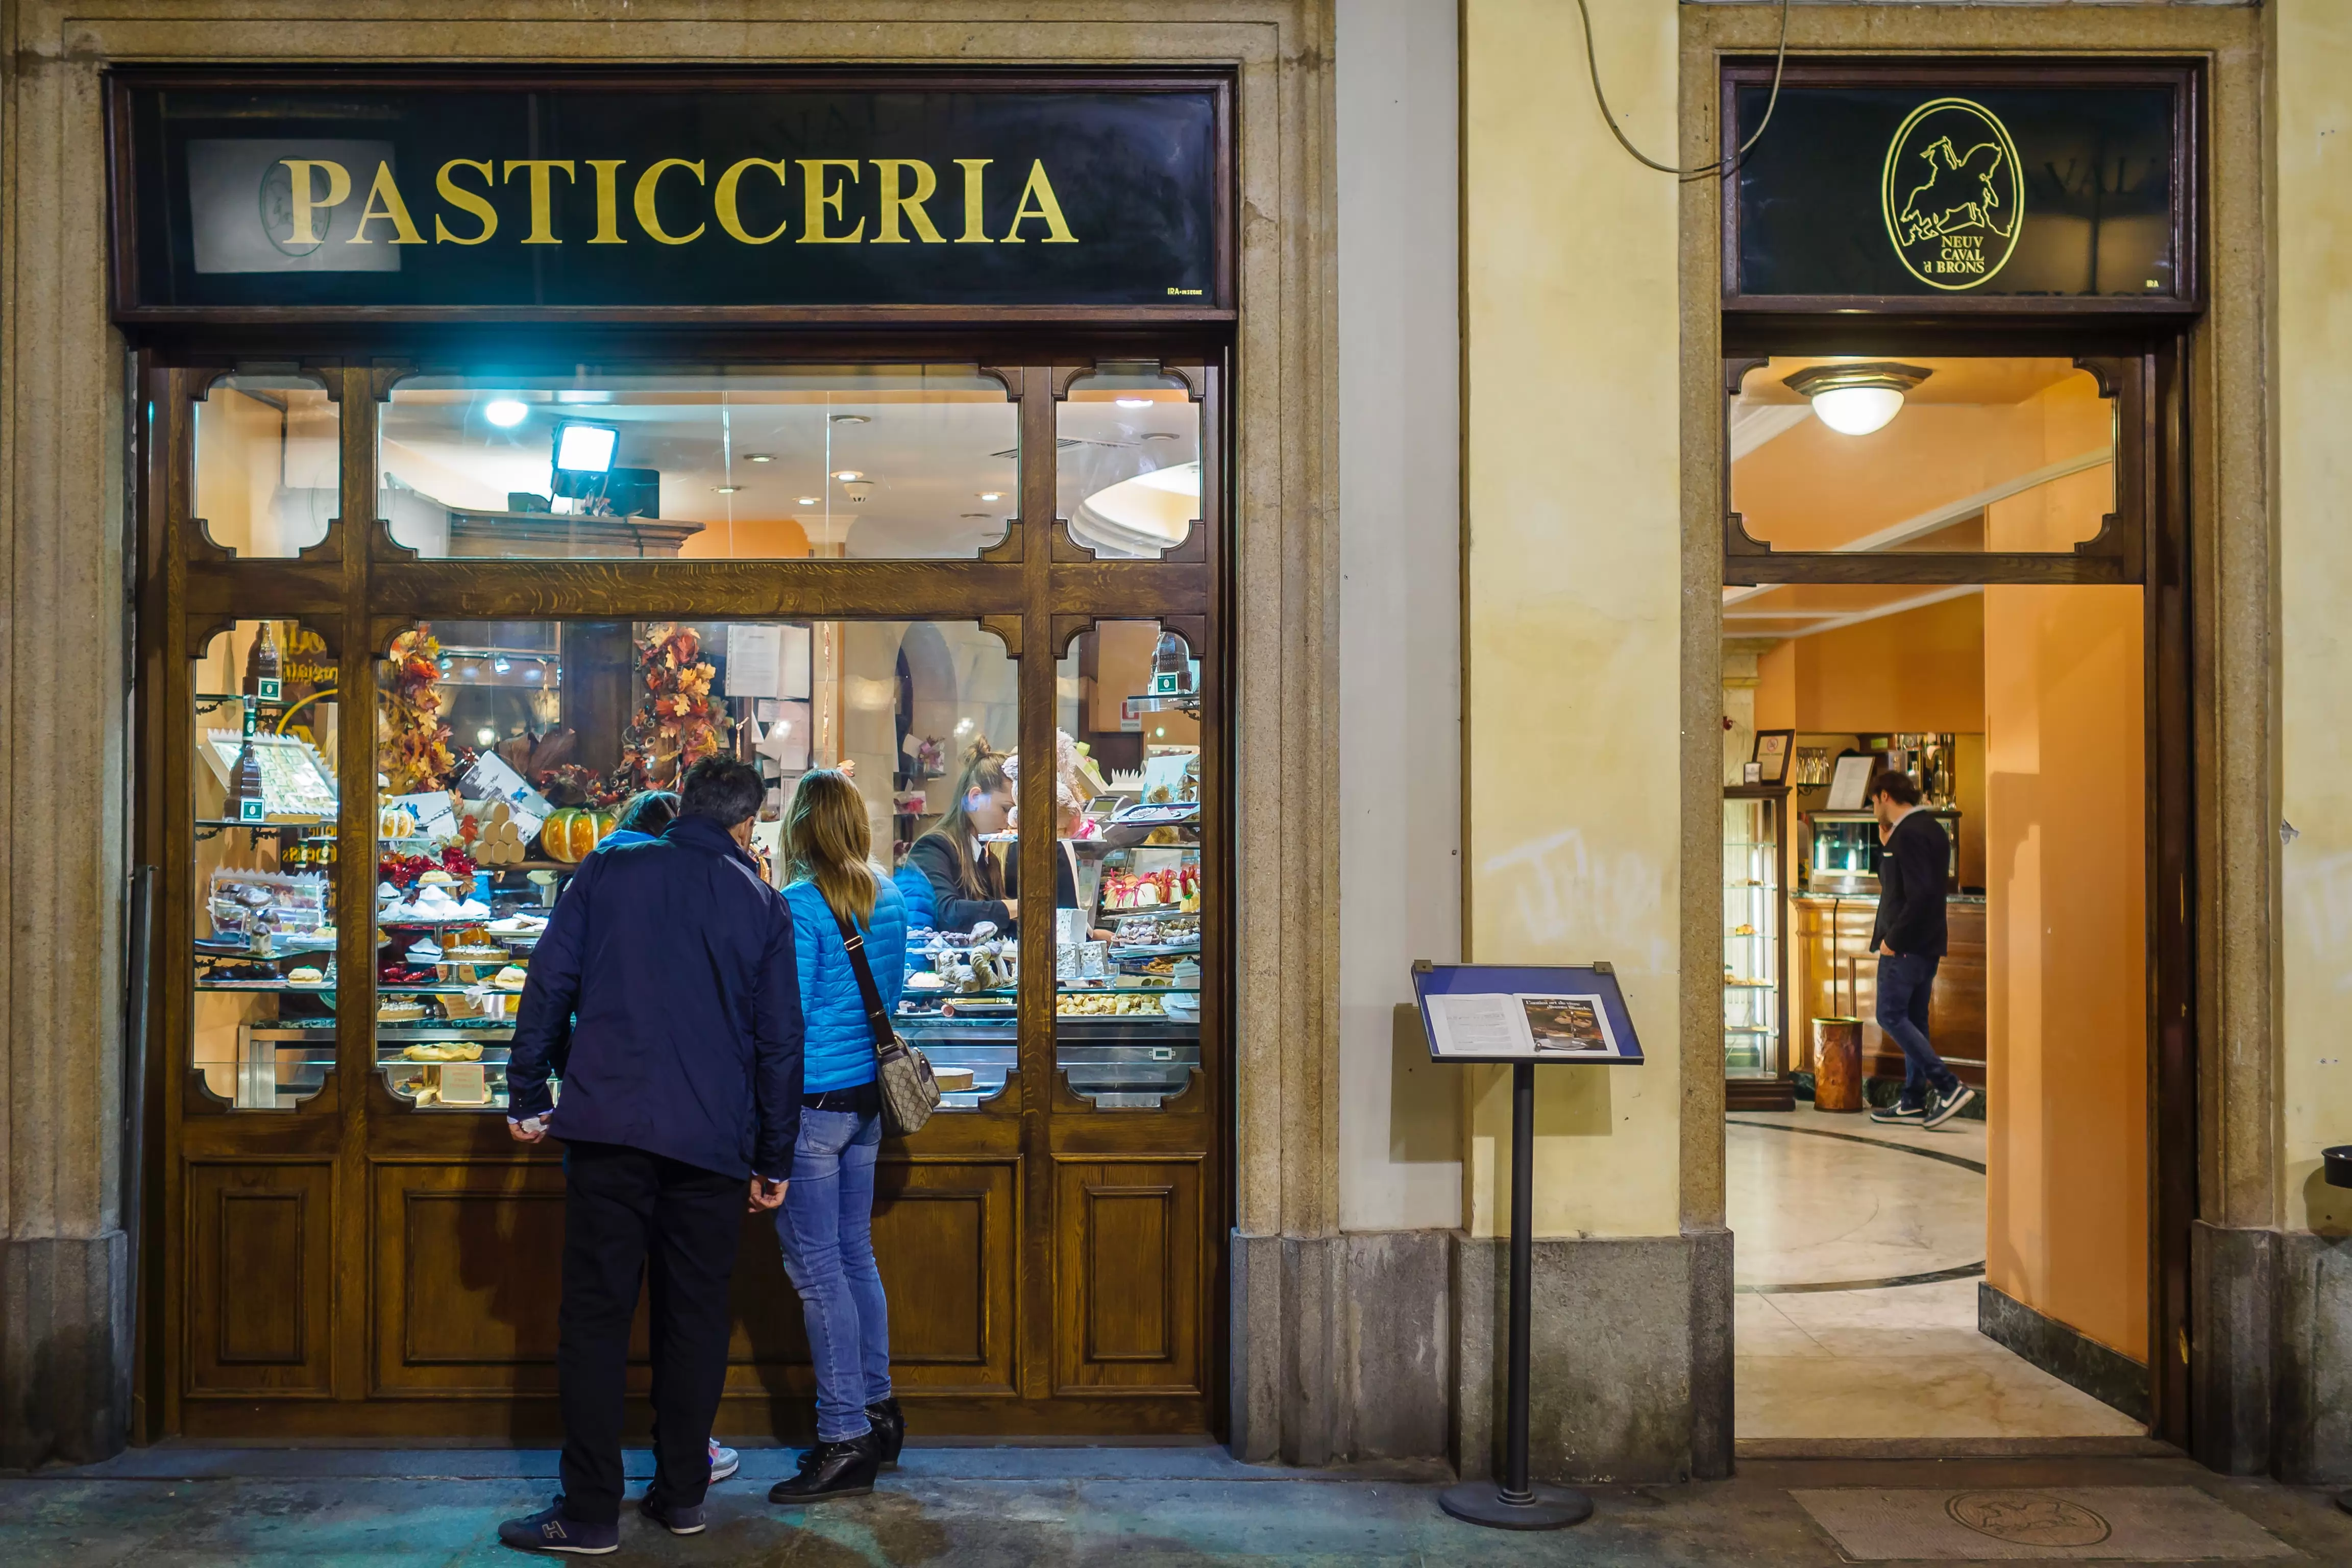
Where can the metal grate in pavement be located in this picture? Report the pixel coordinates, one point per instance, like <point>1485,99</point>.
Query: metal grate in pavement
<point>2142,1524</point>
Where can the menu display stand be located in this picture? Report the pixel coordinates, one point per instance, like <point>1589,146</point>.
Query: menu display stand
<point>1571,1016</point>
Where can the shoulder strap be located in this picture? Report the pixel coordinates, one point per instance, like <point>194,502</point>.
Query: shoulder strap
<point>876,1019</point>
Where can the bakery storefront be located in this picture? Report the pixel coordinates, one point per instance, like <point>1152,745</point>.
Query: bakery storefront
<point>506,444</point>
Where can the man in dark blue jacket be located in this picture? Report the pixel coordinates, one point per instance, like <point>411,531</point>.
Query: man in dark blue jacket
<point>670,964</point>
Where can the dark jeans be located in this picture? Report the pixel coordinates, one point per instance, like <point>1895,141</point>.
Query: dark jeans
<point>622,1209</point>
<point>826,1227</point>
<point>1905,984</point>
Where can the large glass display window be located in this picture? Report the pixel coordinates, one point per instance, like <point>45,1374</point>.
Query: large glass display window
<point>399,750</point>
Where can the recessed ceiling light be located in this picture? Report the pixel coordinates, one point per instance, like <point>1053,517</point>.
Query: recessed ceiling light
<point>727,489</point>
<point>810,501</point>
<point>983,516</point>
<point>991,495</point>
<point>848,474</point>
<point>1160,435</point>
<point>1135,402</point>
<point>851,419</point>
<point>506,412</point>
<point>759,456</point>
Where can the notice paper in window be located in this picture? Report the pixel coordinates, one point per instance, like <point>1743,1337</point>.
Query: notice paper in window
<point>1491,1026</point>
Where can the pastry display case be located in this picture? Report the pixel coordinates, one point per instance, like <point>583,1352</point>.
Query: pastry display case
<point>1755,957</point>
<point>1842,849</point>
<point>266,809</point>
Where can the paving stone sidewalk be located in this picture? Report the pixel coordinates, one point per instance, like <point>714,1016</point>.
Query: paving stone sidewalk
<point>1138,1508</point>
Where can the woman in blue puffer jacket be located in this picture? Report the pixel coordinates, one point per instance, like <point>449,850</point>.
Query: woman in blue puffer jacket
<point>827,1223</point>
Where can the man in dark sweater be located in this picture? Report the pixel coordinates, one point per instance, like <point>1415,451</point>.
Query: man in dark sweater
<point>1913,859</point>
<point>664,984</point>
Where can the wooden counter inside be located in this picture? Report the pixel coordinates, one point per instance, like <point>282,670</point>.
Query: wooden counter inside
<point>1831,974</point>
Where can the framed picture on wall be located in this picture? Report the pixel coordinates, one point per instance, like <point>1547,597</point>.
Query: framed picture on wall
<point>1773,749</point>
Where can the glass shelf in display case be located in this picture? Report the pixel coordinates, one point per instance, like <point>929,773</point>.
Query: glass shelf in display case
<point>1755,1011</point>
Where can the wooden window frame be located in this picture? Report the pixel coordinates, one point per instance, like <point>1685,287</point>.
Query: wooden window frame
<point>1037,590</point>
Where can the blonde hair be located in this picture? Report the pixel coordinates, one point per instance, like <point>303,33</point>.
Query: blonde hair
<point>828,841</point>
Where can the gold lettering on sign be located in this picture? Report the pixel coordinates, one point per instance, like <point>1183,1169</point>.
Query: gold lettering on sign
<point>648,218</point>
<point>339,188</point>
<point>893,203</point>
<point>905,189</point>
<point>820,201</point>
<point>1047,211</point>
<point>723,199</point>
<point>973,233</point>
<point>542,231</point>
<point>608,201</point>
<point>393,210</point>
<point>459,197</point>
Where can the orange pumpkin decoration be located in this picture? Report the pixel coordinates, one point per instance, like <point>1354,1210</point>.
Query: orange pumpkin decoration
<point>572,833</point>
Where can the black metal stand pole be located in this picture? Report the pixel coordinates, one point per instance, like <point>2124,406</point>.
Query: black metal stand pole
<point>1517,1503</point>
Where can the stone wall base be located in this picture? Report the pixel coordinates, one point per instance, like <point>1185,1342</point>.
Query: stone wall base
<point>1390,1345</point>
<point>2271,1359</point>
<point>64,1349</point>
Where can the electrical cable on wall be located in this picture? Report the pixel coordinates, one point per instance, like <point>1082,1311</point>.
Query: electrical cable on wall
<point>1722,167</point>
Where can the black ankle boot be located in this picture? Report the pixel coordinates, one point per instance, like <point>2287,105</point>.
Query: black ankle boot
<point>889,1429</point>
<point>833,1469</point>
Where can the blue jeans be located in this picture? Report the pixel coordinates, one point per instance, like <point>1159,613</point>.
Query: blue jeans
<point>826,1227</point>
<point>1905,984</point>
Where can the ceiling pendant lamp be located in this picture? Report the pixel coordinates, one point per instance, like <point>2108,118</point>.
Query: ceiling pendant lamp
<point>1856,399</point>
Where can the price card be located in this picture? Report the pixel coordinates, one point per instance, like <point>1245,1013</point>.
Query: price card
<point>463,1083</point>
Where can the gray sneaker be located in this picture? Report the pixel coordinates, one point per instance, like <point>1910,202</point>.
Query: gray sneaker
<point>1950,1105</point>
<point>724,1460</point>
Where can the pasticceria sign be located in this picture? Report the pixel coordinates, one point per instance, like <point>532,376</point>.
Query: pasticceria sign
<point>1948,187</point>
<point>631,195</point>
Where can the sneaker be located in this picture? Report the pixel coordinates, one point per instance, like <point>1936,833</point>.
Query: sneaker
<point>670,1516</point>
<point>1912,1114</point>
<point>833,1469</point>
<point>1950,1105</point>
<point>889,1430</point>
<point>724,1460</point>
<point>548,1530</point>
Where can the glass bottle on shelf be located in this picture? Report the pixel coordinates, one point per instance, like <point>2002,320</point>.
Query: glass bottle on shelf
<point>269,665</point>
<point>244,782</point>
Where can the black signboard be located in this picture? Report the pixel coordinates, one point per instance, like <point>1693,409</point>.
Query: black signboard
<point>1962,190</point>
<point>634,195</point>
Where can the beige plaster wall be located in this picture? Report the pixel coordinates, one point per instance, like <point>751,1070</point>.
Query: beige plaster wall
<point>2312,389</point>
<point>1574,589</point>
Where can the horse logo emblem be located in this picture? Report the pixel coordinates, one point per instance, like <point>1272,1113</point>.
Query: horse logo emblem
<point>1953,193</point>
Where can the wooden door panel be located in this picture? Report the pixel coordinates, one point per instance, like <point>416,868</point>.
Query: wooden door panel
<point>1128,1275</point>
<point>944,1239</point>
<point>468,1272</point>
<point>260,1278</point>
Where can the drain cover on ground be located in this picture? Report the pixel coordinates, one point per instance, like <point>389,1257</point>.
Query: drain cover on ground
<point>2149,1524</point>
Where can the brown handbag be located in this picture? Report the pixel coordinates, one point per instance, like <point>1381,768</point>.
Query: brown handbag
<point>903,1074</point>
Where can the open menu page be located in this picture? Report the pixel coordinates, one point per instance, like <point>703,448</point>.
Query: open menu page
<point>1492,1025</point>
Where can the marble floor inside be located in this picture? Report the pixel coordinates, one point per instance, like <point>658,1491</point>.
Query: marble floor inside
<point>1858,1248</point>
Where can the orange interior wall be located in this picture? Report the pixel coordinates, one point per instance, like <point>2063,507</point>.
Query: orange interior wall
<point>2066,1004</point>
<point>1920,670</point>
<point>1813,488</point>
<point>746,539</point>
